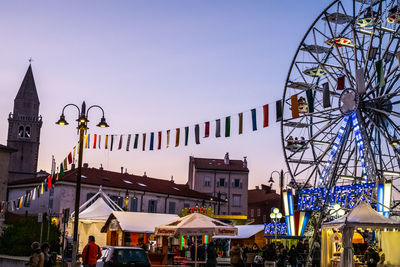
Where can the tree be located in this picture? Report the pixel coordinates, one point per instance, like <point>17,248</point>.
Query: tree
<point>17,238</point>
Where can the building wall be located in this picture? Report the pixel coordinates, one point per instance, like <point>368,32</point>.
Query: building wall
<point>200,183</point>
<point>64,197</point>
<point>4,161</point>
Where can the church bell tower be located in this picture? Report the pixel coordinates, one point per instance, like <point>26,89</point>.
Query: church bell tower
<point>24,125</point>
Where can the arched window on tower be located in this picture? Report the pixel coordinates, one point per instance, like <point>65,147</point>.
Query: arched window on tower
<point>21,131</point>
<point>27,132</point>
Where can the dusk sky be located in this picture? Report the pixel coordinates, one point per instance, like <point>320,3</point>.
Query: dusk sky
<point>154,65</point>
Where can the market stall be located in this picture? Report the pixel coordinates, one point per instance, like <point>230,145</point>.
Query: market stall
<point>253,233</point>
<point>195,224</point>
<point>362,217</point>
<point>92,216</point>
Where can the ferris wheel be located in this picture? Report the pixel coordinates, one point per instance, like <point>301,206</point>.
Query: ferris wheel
<point>341,103</point>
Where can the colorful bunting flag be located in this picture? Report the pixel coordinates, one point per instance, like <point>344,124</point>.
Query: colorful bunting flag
<point>135,143</point>
<point>218,128</point>
<point>70,158</point>
<point>128,142</point>
<point>34,194</point>
<point>45,185</point>
<point>186,135</point>
<point>360,81</point>
<point>279,110</point>
<point>380,73</point>
<point>159,140</point>
<point>94,141</point>
<point>197,133</point>
<point>254,119</point>
<point>61,169</point>
<point>326,98</point>
<point>240,122</point>
<point>340,83</point>
<point>120,142</point>
<point>177,135</point>
<point>206,129</point>
<point>41,189</point>
<point>99,141</point>
<point>112,142</point>
<point>58,176</point>
<point>73,156</point>
<point>294,106</point>
<point>86,141</point>
<point>49,181</point>
<point>106,144</point>
<point>168,134</point>
<point>266,115</point>
<point>151,141</point>
<point>20,202</point>
<point>65,164</point>
<point>144,142</point>
<point>228,126</point>
<point>310,100</point>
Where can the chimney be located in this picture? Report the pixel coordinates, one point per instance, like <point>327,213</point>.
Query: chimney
<point>226,158</point>
<point>257,187</point>
<point>244,162</point>
<point>72,166</point>
<point>172,178</point>
<point>126,170</point>
<point>122,169</point>
<point>85,165</point>
<point>101,167</point>
<point>144,175</point>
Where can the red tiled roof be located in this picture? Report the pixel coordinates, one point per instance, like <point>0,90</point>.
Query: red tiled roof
<point>93,176</point>
<point>259,195</point>
<point>218,164</point>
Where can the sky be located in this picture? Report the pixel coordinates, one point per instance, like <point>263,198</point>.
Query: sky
<point>154,65</point>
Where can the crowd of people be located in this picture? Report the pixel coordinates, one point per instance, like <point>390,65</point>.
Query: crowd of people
<point>252,256</point>
<point>40,256</point>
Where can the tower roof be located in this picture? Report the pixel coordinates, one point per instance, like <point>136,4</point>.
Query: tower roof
<point>27,91</point>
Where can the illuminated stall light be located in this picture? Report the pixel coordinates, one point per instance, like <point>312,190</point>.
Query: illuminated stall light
<point>339,42</point>
<point>182,242</point>
<point>387,198</point>
<point>315,72</point>
<point>206,239</point>
<point>285,202</point>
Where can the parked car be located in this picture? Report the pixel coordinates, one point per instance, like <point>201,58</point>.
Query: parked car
<point>122,257</point>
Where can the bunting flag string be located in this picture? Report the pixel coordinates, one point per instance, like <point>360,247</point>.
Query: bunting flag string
<point>245,122</point>
<point>36,192</point>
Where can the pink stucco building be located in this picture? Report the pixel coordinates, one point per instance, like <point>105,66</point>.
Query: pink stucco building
<point>225,179</point>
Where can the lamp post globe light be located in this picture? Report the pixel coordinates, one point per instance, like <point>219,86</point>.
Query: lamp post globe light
<point>275,216</point>
<point>82,127</point>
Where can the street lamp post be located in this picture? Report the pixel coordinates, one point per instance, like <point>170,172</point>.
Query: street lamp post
<point>276,216</point>
<point>82,127</point>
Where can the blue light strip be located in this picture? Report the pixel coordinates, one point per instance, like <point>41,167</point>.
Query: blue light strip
<point>334,149</point>
<point>306,219</point>
<point>380,197</point>
<point>290,202</point>
<point>289,232</point>
<point>360,144</point>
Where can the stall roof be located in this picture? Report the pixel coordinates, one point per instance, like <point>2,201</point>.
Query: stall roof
<point>363,215</point>
<point>139,222</point>
<point>244,231</point>
<point>99,210</point>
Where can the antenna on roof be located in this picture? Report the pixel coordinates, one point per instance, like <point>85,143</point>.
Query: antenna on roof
<point>30,60</point>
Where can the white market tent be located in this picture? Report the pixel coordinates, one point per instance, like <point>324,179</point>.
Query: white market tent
<point>244,232</point>
<point>362,216</point>
<point>92,216</point>
<point>195,224</point>
<point>139,222</point>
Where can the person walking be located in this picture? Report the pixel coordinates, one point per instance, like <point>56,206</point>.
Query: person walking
<point>293,254</point>
<point>316,255</point>
<point>236,260</point>
<point>371,257</point>
<point>91,253</point>
<point>37,257</point>
<point>211,255</point>
<point>47,258</point>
